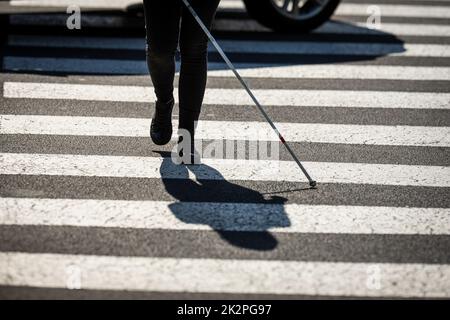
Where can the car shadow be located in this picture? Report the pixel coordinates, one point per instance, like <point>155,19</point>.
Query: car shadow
<point>351,43</point>
<point>240,215</point>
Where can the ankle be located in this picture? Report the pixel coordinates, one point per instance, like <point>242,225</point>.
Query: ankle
<point>188,119</point>
<point>164,105</point>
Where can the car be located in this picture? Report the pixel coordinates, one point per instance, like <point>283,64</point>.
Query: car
<point>296,16</point>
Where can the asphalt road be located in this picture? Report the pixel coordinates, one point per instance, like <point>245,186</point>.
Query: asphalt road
<point>90,208</point>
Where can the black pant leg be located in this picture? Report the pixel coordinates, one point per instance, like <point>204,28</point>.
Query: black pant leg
<point>162,19</point>
<point>194,56</point>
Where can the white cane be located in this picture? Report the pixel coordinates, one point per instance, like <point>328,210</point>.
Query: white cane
<point>312,183</point>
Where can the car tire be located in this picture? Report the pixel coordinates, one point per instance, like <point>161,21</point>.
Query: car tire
<point>266,13</point>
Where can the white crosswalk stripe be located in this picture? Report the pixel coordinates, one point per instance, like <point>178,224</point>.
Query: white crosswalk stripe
<point>274,97</point>
<point>221,216</point>
<point>391,217</point>
<point>345,9</point>
<point>234,130</point>
<point>396,10</point>
<point>255,70</point>
<point>332,27</point>
<point>360,9</point>
<point>233,276</point>
<point>228,169</point>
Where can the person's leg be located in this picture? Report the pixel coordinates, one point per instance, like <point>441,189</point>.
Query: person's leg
<point>193,71</point>
<point>162,18</point>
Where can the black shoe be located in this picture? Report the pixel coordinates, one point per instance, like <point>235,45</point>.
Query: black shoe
<point>161,126</point>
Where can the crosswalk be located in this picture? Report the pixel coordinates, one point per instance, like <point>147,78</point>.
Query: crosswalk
<point>84,193</point>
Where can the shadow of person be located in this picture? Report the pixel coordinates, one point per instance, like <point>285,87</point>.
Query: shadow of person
<point>240,215</point>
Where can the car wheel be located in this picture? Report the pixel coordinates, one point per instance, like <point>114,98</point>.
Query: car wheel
<point>291,15</point>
